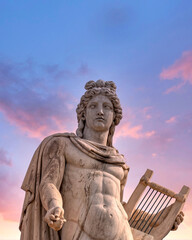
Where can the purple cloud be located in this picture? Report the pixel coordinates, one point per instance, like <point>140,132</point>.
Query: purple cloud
<point>34,97</point>
<point>4,159</point>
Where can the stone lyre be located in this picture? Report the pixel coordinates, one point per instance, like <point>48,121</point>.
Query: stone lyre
<point>152,209</point>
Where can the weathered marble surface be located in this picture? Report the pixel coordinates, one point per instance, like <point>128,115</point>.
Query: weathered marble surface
<point>74,184</point>
<point>138,235</point>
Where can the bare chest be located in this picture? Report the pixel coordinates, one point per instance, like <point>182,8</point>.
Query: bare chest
<point>76,159</point>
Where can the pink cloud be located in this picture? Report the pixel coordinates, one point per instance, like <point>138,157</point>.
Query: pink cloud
<point>154,155</point>
<point>11,197</point>
<point>134,128</point>
<point>171,139</point>
<point>146,111</point>
<point>181,69</point>
<point>29,101</point>
<point>38,119</point>
<point>136,132</point>
<point>171,120</point>
<point>4,159</point>
<point>174,88</point>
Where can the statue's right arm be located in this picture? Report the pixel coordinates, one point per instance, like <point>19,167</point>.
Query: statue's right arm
<point>53,164</point>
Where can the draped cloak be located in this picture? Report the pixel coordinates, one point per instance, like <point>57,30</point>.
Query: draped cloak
<point>32,225</point>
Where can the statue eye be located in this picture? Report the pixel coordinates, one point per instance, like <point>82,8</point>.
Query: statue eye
<point>107,107</point>
<point>92,106</point>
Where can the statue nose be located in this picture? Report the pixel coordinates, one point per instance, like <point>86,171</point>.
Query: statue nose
<point>100,112</point>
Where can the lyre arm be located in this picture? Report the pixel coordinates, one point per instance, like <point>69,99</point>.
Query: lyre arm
<point>134,199</point>
<point>166,225</point>
<point>160,218</point>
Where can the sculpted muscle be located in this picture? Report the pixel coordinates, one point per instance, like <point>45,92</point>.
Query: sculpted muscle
<point>79,178</point>
<point>93,189</point>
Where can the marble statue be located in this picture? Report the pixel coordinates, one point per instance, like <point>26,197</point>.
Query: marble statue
<point>74,184</point>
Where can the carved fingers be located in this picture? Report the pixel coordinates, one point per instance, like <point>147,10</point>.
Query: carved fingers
<point>55,218</point>
<point>178,220</point>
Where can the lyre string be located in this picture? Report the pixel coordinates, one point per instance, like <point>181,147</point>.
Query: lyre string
<point>149,225</point>
<point>139,206</point>
<point>142,207</point>
<point>140,218</point>
<point>153,211</point>
<point>160,214</point>
<point>148,213</point>
<point>156,213</point>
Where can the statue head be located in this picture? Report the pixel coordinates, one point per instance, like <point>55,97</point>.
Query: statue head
<point>93,89</point>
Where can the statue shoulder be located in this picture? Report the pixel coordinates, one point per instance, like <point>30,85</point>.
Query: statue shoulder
<point>57,140</point>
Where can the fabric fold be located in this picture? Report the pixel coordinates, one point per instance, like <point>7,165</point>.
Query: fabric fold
<point>32,225</point>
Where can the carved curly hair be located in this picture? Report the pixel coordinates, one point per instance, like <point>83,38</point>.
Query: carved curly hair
<point>107,89</point>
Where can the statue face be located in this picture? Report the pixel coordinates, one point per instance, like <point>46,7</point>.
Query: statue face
<point>99,113</point>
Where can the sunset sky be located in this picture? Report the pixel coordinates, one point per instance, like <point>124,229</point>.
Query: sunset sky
<point>50,49</point>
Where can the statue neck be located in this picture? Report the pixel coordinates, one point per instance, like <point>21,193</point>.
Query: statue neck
<point>95,136</point>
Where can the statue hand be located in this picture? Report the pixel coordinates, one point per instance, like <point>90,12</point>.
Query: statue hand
<point>55,218</point>
<point>178,220</point>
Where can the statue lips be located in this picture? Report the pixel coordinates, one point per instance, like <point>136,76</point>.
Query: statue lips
<point>100,119</point>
